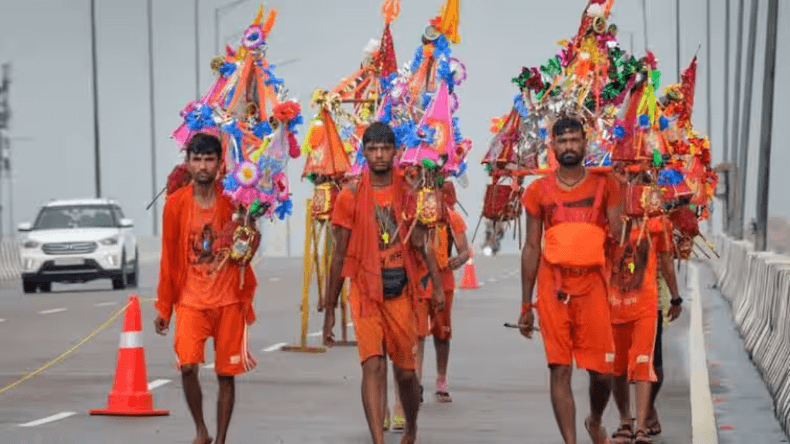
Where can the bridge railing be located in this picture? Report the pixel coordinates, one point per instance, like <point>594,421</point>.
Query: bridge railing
<point>757,286</point>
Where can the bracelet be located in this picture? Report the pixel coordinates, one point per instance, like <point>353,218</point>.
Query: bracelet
<point>676,301</point>
<point>526,306</point>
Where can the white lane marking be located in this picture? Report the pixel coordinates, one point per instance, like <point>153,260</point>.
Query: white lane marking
<point>275,347</point>
<point>54,310</point>
<point>2,320</point>
<point>274,279</point>
<point>703,421</point>
<point>105,304</point>
<point>156,383</point>
<point>314,334</point>
<point>209,366</point>
<point>41,421</point>
<point>491,279</point>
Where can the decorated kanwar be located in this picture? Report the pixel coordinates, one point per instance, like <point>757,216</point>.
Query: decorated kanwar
<point>237,139</point>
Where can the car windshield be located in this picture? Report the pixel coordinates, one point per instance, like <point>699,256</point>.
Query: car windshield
<point>77,216</point>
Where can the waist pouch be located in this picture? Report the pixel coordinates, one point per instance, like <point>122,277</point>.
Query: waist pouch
<point>394,280</point>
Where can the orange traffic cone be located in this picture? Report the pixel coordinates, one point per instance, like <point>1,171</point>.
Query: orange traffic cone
<point>130,395</point>
<point>469,278</point>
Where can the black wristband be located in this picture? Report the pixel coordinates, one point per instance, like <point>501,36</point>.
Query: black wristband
<point>676,302</point>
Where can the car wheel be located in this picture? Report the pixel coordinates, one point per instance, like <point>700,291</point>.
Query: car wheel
<point>29,287</point>
<point>45,287</point>
<point>131,278</point>
<point>119,283</point>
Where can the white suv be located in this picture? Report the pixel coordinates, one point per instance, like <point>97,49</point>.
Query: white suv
<point>79,241</point>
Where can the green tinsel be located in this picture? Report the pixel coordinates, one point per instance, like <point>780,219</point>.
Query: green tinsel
<point>440,181</point>
<point>311,177</point>
<point>656,78</point>
<point>255,207</point>
<point>489,168</point>
<point>428,164</point>
<point>658,160</point>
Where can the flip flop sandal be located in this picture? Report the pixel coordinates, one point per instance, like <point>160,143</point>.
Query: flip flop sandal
<point>623,435</point>
<point>641,437</point>
<point>442,396</point>
<point>398,422</point>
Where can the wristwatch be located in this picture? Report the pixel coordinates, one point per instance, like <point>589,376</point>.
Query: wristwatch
<point>676,301</point>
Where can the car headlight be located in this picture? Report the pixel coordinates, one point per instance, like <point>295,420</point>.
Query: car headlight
<point>109,241</point>
<point>31,244</point>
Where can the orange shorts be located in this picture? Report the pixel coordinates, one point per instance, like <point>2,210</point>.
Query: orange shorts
<point>394,325</point>
<point>225,324</point>
<point>580,328</point>
<point>634,344</point>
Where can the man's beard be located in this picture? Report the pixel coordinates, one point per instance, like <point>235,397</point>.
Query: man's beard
<point>570,159</point>
<point>203,179</point>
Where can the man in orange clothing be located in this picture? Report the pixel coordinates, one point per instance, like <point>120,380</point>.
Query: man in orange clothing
<point>447,235</point>
<point>575,206</point>
<point>432,322</point>
<point>633,298</point>
<point>385,269</point>
<point>202,287</point>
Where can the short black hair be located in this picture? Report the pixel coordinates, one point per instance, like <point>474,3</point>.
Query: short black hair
<point>566,124</point>
<point>205,144</point>
<point>378,132</point>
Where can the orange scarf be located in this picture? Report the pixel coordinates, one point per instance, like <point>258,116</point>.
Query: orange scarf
<point>363,263</point>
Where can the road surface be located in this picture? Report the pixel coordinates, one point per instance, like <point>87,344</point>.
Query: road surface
<point>499,380</point>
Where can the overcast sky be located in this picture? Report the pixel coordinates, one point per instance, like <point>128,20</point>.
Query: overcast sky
<point>48,43</point>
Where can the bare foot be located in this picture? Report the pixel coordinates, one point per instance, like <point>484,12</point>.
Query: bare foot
<point>596,431</point>
<point>202,438</point>
<point>652,423</point>
<point>409,436</point>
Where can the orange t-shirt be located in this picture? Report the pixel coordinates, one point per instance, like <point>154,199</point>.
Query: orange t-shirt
<point>640,303</point>
<point>577,201</point>
<point>391,248</point>
<point>578,204</point>
<point>206,285</point>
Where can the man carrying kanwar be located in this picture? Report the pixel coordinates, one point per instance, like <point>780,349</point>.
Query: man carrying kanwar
<point>204,288</point>
<point>570,210</point>
<point>372,249</point>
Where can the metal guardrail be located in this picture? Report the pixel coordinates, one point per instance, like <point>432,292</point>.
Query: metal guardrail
<point>757,286</point>
<point>10,262</point>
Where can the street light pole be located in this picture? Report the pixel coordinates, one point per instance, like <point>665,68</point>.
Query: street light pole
<point>725,139</point>
<point>97,160</point>
<point>764,168</point>
<point>707,69</point>
<point>197,51</point>
<point>743,160</point>
<point>644,22</point>
<point>152,112</point>
<point>5,142</point>
<point>677,38</point>
<point>736,117</point>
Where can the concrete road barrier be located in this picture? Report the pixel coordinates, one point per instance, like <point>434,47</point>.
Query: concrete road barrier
<point>10,263</point>
<point>757,286</point>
